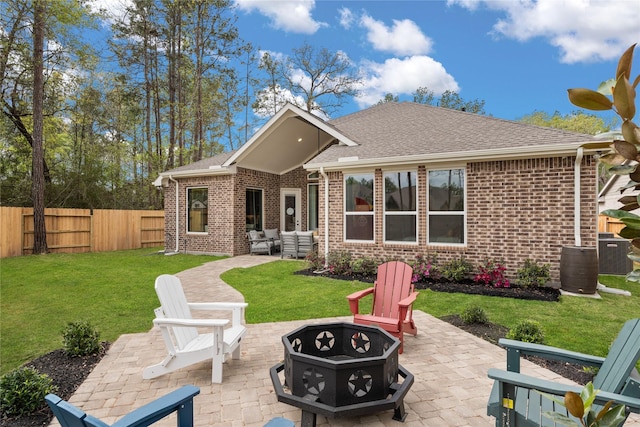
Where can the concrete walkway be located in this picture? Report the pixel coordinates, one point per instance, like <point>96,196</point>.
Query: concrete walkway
<point>450,366</point>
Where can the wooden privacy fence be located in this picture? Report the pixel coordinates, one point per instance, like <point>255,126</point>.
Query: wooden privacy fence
<point>81,230</point>
<point>606,224</point>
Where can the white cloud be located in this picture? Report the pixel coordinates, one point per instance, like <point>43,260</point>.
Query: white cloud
<point>402,77</point>
<point>287,15</point>
<point>403,38</point>
<point>346,18</point>
<point>583,30</point>
<point>115,9</point>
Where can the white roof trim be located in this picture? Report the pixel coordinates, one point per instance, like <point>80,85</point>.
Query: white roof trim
<point>289,110</point>
<point>466,156</point>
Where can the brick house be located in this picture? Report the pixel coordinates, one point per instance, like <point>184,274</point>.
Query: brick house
<point>393,180</point>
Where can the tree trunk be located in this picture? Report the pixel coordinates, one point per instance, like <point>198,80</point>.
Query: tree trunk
<point>37,187</point>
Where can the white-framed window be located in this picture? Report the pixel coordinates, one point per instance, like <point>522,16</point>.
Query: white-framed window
<point>312,206</point>
<point>254,209</point>
<point>358,207</point>
<point>197,210</point>
<point>400,207</point>
<point>447,217</point>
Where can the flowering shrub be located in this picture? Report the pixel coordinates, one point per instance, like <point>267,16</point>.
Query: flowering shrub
<point>315,260</point>
<point>365,266</point>
<point>339,262</point>
<point>492,274</point>
<point>424,267</point>
<point>456,270</point>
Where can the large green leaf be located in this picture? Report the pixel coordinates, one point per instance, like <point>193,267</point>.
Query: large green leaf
<point>633,276</point>
<point>589,99</point>
<point>606,87</point>
<point>624,98</point>
<point>616,213</point>
<point>629,233</point>
<point>611,159</point>
<point>623,169</point>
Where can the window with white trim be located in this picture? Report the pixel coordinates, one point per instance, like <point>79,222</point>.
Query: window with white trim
<point>358,207</point>
<point>197,210</point>
<point>446,206</point>
<point>400,212</point>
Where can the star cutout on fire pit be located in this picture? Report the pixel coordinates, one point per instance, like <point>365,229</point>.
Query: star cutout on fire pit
<point>313,381</point>
<point>325,341</point>
<point>360,342</point>
<point>297,345</point>
<point>360,383</point>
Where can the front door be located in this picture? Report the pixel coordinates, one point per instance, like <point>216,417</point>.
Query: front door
<point>290,209</point>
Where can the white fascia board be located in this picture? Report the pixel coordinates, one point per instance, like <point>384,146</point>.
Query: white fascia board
<point>459,156</point>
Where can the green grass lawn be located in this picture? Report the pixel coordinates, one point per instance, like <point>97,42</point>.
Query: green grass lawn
<point>581,324</point>
<point>39,295</point>
<point>114,291</point>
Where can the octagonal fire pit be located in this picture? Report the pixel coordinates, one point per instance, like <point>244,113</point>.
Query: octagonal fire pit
<point>341,369</point>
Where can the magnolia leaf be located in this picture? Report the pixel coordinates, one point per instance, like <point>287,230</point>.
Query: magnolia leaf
<point>631,132</point>
<point>629,233</point>
<point>633,256</point>
<point>630,207</point>
<point>604,410</point>
<point>635,246</point>
<point>612,418</point>
<point>628,199</point>
<point>616,213</point>
<point>623,169</point>
<point>573,403</point>
<point>624,96</point>
<point>605,87</point>
<point>612,159</point>
<point>624,64</point>
<point>588,395</point>
<point>589,99</point>
<point>636,81</point>
<point>633,276</point>
<point>626,149</point>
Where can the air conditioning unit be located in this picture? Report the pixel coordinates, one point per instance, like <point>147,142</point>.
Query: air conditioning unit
<point>612,254</point>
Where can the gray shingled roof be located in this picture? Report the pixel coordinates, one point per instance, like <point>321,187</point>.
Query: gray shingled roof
<point>406,129</point>
<point>216,160</point>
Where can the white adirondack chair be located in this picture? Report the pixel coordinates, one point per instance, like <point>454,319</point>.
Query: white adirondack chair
<point>184,343</point>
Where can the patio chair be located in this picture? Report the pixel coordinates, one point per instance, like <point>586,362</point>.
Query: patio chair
<point>515,397</point>
<point>180,401</point>
<point>393,297</point>
<point>306,243</point>
<point>288,244</point>
<point>259,243</point>
<point>184,343</point>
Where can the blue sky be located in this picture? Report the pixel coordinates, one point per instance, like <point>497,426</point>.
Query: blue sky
<point>517,56</point>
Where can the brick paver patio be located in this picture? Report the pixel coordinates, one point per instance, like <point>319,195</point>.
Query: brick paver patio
<point>450,367</point>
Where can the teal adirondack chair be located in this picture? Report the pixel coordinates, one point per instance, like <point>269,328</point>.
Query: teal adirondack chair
<point>515,399</point>
<point>180,401</point>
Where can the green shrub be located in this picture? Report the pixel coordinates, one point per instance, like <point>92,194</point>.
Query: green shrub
<point>365,266</point>
<point>339,262</point>
<point>531,274</point>
<point>456,270</point>
<point>22,391</point>
<point>474,314</point>
<point>527,331</point>
<point>80,339</point>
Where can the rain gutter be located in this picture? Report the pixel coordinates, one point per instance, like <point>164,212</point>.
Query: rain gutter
<point>576,193</point>
<point>326,215</point>
<point>177,215</point>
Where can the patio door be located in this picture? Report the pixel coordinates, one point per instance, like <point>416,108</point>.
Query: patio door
<point>290,209</point>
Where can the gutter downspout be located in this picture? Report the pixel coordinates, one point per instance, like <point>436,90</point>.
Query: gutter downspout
<point>326,214</point>
<point>177,216</point>
<point>576,194</point>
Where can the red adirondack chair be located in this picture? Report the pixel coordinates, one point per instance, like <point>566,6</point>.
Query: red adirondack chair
<point>393,296</point>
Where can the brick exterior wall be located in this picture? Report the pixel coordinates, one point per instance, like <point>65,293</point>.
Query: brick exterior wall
<point>226,233</point>
<point>516,209</point>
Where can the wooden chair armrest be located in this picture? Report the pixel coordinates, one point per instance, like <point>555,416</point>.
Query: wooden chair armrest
<point>559,389</point>
<point>408,300</point>
<point>180,401</point>
<point>195,323</point>
<point>517,348</point>
<point>359,294</point>
<point>217,305</point>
